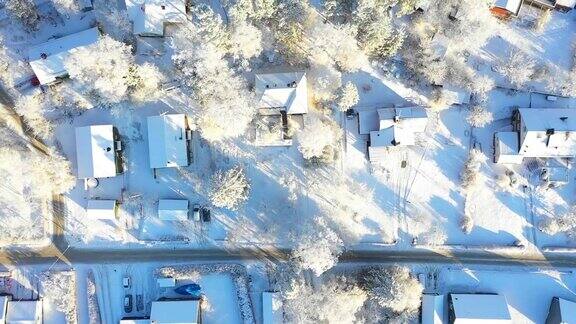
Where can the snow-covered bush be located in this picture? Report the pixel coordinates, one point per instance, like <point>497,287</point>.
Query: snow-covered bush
<point>518,68</point>
<point>66,7</point>
<point>479,116</point>
<point>393,289</point>
<point>317,248</point>
<point>25,11</point>
<point>565,224</point>
<point>348,97</point>
<point>469,175</point>
<point>229,188</point>
<point>317,141</point>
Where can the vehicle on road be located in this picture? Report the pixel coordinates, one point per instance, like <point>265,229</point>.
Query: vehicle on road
<point>128,304</point>
<point>126,282</point>
<point>139,303</point>
<point>196,213</point>
<point>206,217</point>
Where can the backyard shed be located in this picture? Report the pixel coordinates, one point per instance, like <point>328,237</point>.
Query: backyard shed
<point>432,309</point>
<point>149,17</point>
<point>271,308</point>
<point>97,152</point>
<point>506,148</point>
<point>47,59</point>
<point>24,311</point>
<point>175,312</point>
<point>287,91</point>
<point>101,209</point>
<point>168,141</point>
<point>506,8</point>
<point>478,308</point>
<point>561,311</point>
<point>173,209</point>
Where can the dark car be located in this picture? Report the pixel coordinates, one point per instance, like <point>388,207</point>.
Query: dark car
<point>128,304</point>
<point>206,214</point>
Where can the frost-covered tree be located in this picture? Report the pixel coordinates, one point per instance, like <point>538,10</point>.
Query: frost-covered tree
<point>229,188</point>
<point>245,39</point>
<point>32,109</point>
<point>376,31</point>
<point>479,116</point>
<point>317,141</point>
<point>348,97</point>
<point>114,22</point>
<point>393,289</point>
<point>66,7</point>
<point>470,172</point>
<point>518,68</point>
<point>466,221</point>
<point>317,248</point>
<point>144,82</point>
<point>25,11</point>
<point>565,224</point>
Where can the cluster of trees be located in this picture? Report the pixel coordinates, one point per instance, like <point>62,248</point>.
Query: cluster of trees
<point>318,140</point>
<point>24,11</point>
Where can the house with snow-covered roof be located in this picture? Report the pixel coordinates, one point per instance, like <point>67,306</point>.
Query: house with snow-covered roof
<point>101,209</point>
<point>391,127</point>
<point>176,312</point>
<point>478,309</point>
<point>286,92</point>
<point>168,138</point>
<point>173,209</point>
<point>561,311</point>
<point>562,5</point>
<point>98,151</point>
<point>506,8</point>
<point>47,59</point>
<point>149,17</point>
<point>24,312</point>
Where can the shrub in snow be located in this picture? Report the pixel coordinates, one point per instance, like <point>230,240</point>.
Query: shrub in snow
<point>317,248</point>
<point>393,289</point>
<point>229,188</point>
<point>518,68</point>
<point>469,175</point>
<point>348,97</point>
<point>66,7</point>
<point>25,11</point>
<point>317,141</point>
<point>479,116</point>
<point>565,224</point>
<point>482,84</point>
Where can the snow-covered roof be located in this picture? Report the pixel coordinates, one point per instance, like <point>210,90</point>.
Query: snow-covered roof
<point>455,95</point>
<point>167,144</point>
<point>409,118</point>
<point>166,282</point>
<point>480,308</point>
<point>3,306</point>
<point>507,143</point>
<point>287,90</point>
<point>541,119</point>
<point>95,151</point>
<point>47,59</point>
<point>175,312</point>
<point>173,209</point>
<point>150,16</point>
<point>548,132</point>
<point>566,3</point>
<point>511,5</point>
<point>271,308</point>
<point>24,312</point>
<point>567,310</point>
<point>432,309</point>
<point>101,209</point>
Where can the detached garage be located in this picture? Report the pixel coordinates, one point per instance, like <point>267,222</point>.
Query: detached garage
<point>101,209</point>
<point>97,151</point>
<point>173,209</point>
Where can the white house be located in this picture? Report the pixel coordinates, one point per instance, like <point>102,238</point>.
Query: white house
<point>561,311</point>
<point>175,312</point>
<point>173,209</point>
<point>271,308</point>
<point>390,127</point>
<point>168,141</point>
<point>432,309</point>
<point>101,209</point>
<point>478,309</point>
<point>4,300</point>
<point>24,311</point>
<point>47,59</point>
<point>97,152</point>
<point>149,17</point>
<point>286,91</point>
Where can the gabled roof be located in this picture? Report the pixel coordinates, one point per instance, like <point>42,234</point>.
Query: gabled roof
<point>56,51</point>
<point>24,312</point>
<point>507,143</point>
<point>287,90</point>
<point>511,5</point>
<point>167,144</point>
<point>480,308</point>
<point>541,119</point>
<point>95,151</point>
<point>410,118</point>
<point>432,309</point>
<point>173,209</point>
<point>150,16</point>
<point>175,312</point>
<point>101,209</point>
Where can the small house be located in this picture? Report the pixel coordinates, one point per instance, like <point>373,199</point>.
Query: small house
<point>24,311</point>
<point>168,138</point>
<point>432,309</point>
<point>506,8</point>
<point>176,312</point>
<point>455,95</point>
<point>101,209</point>
<point>47,59</point>
<point>149,17</point>
<point>272,312</point>
<point>478,308</point>
<point>285,92</point>
<point>561,311</point>
<point>98,151</point>
<point>562,5</point>
<point>506,148</point>
<point>173,209</point>
<point>166,282</point>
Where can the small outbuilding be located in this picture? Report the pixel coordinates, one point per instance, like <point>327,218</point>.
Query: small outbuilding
<point>432,309</point>
<point>506,148</point>
<point>47,59</point>
<point>478,308</point>
<point>272,312</point>
<point>561,311</point>
<point>176,312</point>
<point>168,138</point>
<point>287,92</point>
<point>173,209</point>
<point>166,282</point>
<point>506,8</point>
<point>97,151</point>
<point>149,17</point>
<point>24,311</point>
<point>101,209</point>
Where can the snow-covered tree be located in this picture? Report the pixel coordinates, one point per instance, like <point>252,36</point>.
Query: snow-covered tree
<point>245,40</point>
<point>348,97</point>
<point>51,173</point>
<point>32,109</point>
<point>317,141</point>
<point>113,21</point>
<point>25,11</point>
<point>229,188</point>
<point>393,289</point>
<point>144,82</point>
<point>479,116</point>
<point>518,68</point>
<point>565,224</point>
<point>377,34</point>
<point>466,221</point>
<point>60,289</point>
<point>317,248</point>
<point>470,172</point>
<point>66,7</point>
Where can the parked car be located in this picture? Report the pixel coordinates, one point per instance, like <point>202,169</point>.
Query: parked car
<point>128,304</point>
<point>139,303</point>
<point>126,282</point>
<point>196,213</point>
<point>206,217</point>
